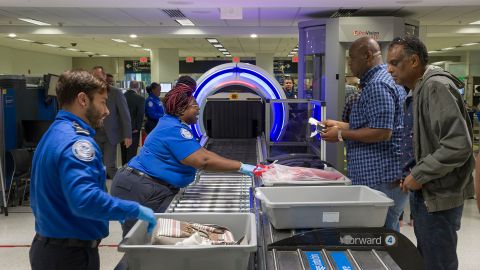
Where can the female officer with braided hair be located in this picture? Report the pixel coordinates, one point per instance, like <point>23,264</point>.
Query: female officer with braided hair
<point>170,157</point>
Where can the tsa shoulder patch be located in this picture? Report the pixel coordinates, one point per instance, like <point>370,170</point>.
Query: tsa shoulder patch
<point>83,150</point>
<point>150,104</point>
<point>186,134</point>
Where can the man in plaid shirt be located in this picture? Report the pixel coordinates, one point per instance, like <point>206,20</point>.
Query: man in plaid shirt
<point>373,135</point>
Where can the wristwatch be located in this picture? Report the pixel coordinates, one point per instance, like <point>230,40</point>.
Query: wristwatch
<point>339,133</point>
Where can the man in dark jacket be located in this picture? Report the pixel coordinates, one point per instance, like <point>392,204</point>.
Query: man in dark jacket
<point>442,142</point>
<point>135,104</point>
<point>116,125</point>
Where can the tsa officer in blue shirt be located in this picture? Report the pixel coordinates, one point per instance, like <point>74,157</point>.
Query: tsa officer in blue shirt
<point>153,107</point>
<point>71,208</point>
<point>170,156</point>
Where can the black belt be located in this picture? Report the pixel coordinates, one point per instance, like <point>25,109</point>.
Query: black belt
<point>68,242</point>
<point>142,174</point>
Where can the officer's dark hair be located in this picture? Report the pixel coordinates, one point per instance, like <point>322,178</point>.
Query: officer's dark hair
<point>177,100</point>
<point>108,74</point>
<point>73,82</point>
<point>152,86</point>
<point>412,45</point>
<point>187,80</point>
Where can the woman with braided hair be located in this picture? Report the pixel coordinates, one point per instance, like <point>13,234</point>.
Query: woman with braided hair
<point>170,156</point>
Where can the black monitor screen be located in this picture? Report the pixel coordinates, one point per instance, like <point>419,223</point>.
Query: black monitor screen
<point>33,130</point>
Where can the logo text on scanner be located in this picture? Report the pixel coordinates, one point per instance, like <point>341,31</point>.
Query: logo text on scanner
<point>372,34</point>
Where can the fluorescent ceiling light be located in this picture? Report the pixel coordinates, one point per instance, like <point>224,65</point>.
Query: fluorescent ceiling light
<point>104,55</point>
<point>447,49</point>
<point>228,55</point>
<point>253,35</point>
<point>148,50</point>
<point>218,45</point>
<point>119,40</point>
<point>26,40</point>
<point>12,35</point>
<point>294,52</point>
<point>135,45</point>
<point>133,36</point>
<point>433,51</point>
<point>51,45</point>
<point>222,49</point>
<point>225,52</point>
<point>470,44</point>
<point>212,40</point>
<point>290,55</point>
<point>477,22</point>
<point>295,49</point>
<point>72,49</point>
<point>33,21</point>
<point>185,22</point>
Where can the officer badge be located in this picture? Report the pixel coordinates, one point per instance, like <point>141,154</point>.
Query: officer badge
<point>83,150</point>
<point>186,134</point>
<point>150,104</point>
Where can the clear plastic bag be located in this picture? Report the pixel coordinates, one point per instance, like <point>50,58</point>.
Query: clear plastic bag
<point>282,173</point>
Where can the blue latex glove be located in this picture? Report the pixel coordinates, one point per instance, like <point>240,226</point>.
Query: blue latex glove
<point>247,169</point>
<point>145,213</point>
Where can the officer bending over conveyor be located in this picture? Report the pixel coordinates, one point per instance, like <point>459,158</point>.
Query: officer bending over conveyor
<point>170,156</point>
<point>67,194</point>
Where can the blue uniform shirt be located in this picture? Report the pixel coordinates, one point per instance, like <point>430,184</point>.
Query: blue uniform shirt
<point>169,143</point>
<point>67,186</point>
<point>380,105</point>
<point>153,107</point>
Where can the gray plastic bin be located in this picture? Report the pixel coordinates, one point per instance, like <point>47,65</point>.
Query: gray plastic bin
<point>141,255</point>
<point>324,206</point>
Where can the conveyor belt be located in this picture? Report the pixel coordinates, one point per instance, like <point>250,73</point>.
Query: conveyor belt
<point>220,192</point>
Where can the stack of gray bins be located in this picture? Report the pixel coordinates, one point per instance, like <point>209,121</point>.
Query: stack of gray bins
<point>215,192</point>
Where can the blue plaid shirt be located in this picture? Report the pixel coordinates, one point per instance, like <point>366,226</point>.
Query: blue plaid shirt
<point>380,106</point>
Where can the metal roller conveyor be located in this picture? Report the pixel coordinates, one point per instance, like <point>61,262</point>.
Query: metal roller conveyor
<point>219,192</point>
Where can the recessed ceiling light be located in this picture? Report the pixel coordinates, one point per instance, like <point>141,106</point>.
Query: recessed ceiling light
<point>253,35</point>
<point>185,22</point>
<point>218,45</point>
<point>26,40</point>
<point>72,49</point>
<point>222,49</point>
<point>12,35</point>
<point>33,21</point>
<point>119,40</point>
<point>470,44</point>
<point>51,45</point>
<point>135,45</point>
<point>447,49</point>
<point>476,22</point>
<point>212,40</point>
<point>133,36</point>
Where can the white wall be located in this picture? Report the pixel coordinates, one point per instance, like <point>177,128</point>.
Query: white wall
<point>21,62</point>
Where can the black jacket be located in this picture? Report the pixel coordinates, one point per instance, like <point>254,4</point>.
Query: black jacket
<point>136,106</point>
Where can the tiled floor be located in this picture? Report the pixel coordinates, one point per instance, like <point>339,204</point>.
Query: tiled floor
<point>17,230</point>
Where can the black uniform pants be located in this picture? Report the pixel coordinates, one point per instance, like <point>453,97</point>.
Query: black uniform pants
<point>129,185</point>
<point>47,256</point>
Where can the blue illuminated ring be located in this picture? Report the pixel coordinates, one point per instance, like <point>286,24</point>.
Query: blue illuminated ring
<point>267,88</point>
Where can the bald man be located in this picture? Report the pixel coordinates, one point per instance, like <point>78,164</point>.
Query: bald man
<point>373,135</point>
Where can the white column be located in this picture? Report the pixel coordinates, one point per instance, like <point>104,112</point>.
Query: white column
<point>265,61</point>
<point>164,64</point>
